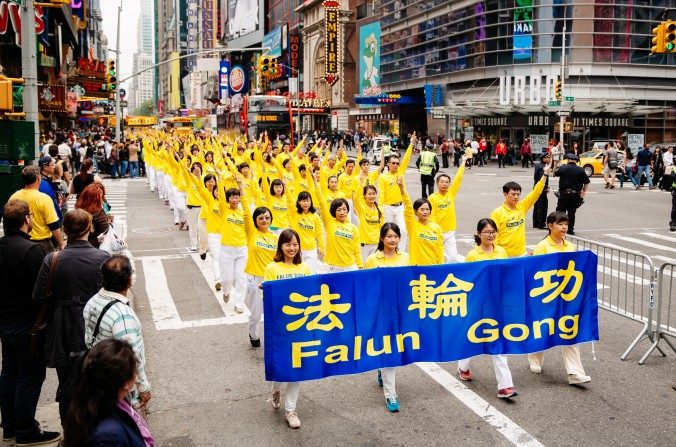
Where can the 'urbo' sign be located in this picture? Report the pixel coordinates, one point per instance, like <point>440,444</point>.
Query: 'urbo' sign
<point>514,89</point>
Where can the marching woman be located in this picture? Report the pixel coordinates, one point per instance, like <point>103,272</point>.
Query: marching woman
<point>306,222</point>
<point>388,255</point>
<point>210,213</point>
<point>286,264</point>
<point>262,246</point>
<point>330,189</point>
<point>371,219</point>
<point>425,237</point>
<point>194,205</point>
<point>555,242</point>
<point>487,249</point>
<point>343,250</point>
<point>233,251</point>
<point>277,202</point>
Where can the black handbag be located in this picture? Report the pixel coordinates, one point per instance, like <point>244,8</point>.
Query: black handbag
<point>38,329</point>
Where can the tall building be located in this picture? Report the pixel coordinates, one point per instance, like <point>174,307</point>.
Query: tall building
<point>168,23</point>
<point>143,85</point>
<point>489,68</point>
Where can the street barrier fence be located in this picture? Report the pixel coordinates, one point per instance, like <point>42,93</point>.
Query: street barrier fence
<point>630,285</point>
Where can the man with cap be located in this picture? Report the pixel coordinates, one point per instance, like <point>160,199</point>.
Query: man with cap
<point>428,165</point>
<point>573,184</point>
<point>541,205</point>
<point>47,166</point>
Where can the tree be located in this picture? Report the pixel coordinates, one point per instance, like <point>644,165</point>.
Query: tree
<point>145,108</point>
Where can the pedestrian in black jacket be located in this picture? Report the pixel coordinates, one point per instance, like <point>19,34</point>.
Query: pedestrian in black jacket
<point>23,372</point>
<point>76,279</point>
<point>540,207</point>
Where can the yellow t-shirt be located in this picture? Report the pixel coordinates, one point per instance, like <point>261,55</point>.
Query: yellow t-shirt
<point>370,221</point>
<point>547,246</point>
<point>232,228</point>
<point>310,229</point>
<point>280,210</point>
<point>343,247</point>
<point>443,205</point>
<point>281,270</point>
<point>262,249</point>
<point>378,259</point>
<point>512,223</point>
<point>426,241</point>
<point>43,211</point>
<point>477,254</point>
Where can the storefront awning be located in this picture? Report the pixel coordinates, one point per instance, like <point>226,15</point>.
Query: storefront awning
<point>591,106</point>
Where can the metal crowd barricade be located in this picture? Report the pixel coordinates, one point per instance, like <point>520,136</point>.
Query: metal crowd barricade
<point>626,286</point>
<point>664,325</point>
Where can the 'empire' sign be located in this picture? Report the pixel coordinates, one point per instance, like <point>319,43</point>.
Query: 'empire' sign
<point>331,8</point>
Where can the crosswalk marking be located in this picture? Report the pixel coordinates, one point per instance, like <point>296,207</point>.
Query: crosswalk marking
<point>207,270</point>
<point>640,242</point>
<point>663,237</point>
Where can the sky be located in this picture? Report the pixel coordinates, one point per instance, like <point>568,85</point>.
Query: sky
<point>131,9</point>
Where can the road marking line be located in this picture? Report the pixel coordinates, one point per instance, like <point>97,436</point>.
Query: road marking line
<point>640,242</point>
<point>508,428</point>
<point>162,306</point>
<point>661,236</point>
<point>665,259</point>
<point>207,270</point>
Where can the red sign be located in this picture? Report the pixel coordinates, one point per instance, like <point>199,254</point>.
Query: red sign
<point>9,11</point>
<point>91,68</point>
<point>52,98</point>
<point>294,53</point>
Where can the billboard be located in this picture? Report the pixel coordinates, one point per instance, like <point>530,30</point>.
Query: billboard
<point>242,17</point>
<point>523,30</point>
<point>369,59</point>
<point>273,40</point>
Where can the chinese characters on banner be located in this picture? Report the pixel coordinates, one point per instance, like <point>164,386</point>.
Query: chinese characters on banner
<point>331,11</point>
<point>346,323</point>
<point>52,98</point>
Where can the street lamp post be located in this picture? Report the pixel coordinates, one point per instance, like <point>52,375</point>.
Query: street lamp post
<point>29,69</point>
<point>118,115</point>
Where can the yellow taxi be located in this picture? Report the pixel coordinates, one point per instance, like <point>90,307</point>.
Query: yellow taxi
<point>591,161</point>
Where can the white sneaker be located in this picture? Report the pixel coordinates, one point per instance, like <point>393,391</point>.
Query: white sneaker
<point>292,419</point>
<point>575,379</point>
<point>239,309</point>
<point>537,369</point>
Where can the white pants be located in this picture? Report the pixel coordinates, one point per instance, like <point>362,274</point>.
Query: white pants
<point>214,243</point>
<point>193,225</point>
<point>159,179</point>
<point>291,395</point>
<point>366,250</point>
<point>502,373</point>
<point>335,269</point>
<point>169,194</point>
<point>151,177</point>
<point>395,214</point>
<point>202,237</point>
<point>180,208</point>
<point>571,358</point>
<point>255,294</point>
<point>311,259</point>
<point>353,216</point>
<point>232,261</point>
<point>450,248</point>
<point>388,376</point>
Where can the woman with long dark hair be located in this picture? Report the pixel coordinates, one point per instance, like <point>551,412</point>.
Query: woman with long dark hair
<point>487,249</point>
<point>388,255</point>
<point>84,178</point>
<point>628,165</point>
<point>307,223</point>
<point>555,242</point>
<point>99,413</point>
<point>287,263</point>
<point>426,239</point>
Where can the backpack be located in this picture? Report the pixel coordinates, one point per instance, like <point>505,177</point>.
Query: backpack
<point>612,161</point>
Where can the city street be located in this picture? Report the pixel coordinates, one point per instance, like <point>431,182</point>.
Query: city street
<point>208,383</point>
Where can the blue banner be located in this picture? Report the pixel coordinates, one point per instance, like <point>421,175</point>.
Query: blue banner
<point>346,323</point>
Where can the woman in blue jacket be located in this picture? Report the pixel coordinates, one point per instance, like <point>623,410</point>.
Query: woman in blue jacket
<point>99,413</point>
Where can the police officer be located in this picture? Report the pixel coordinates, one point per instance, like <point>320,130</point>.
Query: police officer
<point>540,208</point>
<point>573,184</point>
<point>428,165</point>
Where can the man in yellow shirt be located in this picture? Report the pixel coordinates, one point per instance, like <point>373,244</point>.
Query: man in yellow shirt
<point>389,195</point>
<point>45,221</point>
<point>511,215</point>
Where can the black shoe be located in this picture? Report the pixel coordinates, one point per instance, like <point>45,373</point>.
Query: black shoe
<point>203,256</point>
<point>255,342</point>
<point>571,232</point>
<point>8,434</point>
<point>672,228</point>
<point>39,438</point>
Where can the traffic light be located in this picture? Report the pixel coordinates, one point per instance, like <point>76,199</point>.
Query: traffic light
<point>669,36</point>
<point>264,65</point>
<point>557,91</point>
<point>658,40</point>
<point>274,68</point>
<point>112,76</point>
<point>6,99</point>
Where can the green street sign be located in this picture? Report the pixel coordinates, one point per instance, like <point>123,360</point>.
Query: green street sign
<point>554,103</point>
<point>570,98</point>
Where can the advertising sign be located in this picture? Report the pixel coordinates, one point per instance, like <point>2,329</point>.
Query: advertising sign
<point>242,17</point>
<point>273,40</point>
<point>635,141</point>
<point>369,61</point>
<point>52,98</point>
<point>523,30</point>
<point>237,80</point>
<point>294,52</point>
<point>331,11</point>
<point>208,32</point>
<point>224,79</point>
<point>10,14</point>
<point>539,143</point>
<point>192,26</point>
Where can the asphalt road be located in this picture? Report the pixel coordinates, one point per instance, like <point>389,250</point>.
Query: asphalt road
<point>208,383</point>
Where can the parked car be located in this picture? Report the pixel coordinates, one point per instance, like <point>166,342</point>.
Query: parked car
<point>376,144</point>
<point>600,144</point>
<point>592,161</point>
